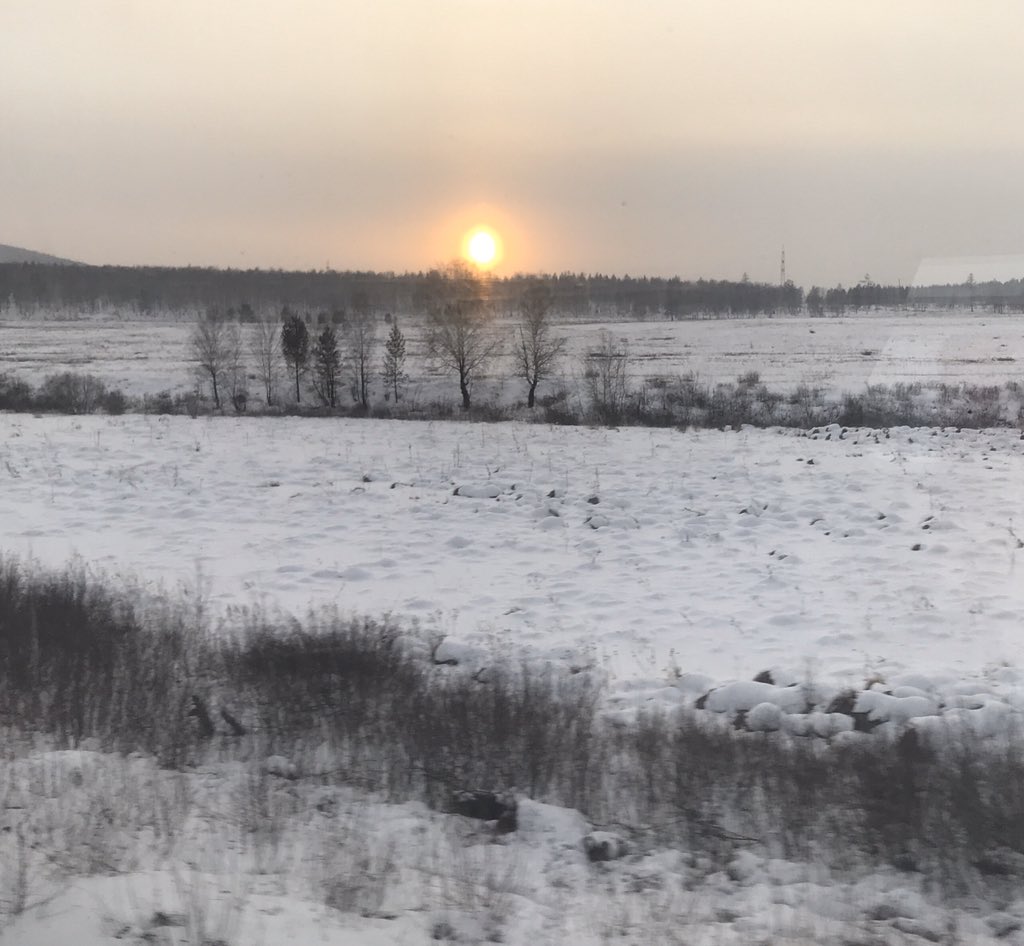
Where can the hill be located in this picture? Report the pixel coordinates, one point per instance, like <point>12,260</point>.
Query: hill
<point>15,254</point>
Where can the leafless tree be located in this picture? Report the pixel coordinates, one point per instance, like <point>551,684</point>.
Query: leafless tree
<point>236,371</point>
<point>265,349</point>
<point>361,340</point>
<point>211,352</point>
<point>537,349</point>
<point>459,337</point>
<point>606,373</point>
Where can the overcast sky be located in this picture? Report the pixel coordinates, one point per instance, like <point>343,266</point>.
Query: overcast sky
<point>660,137</point>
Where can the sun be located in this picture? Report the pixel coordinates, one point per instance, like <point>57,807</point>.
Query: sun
<point>482,247</point>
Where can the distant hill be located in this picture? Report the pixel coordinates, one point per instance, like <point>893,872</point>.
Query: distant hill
<point>15,254</point>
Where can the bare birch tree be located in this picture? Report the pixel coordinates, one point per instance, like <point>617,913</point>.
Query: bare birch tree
<point>209,348</point>
<point>361,340</point>
<point>459,338</point>
<point>265,349</point>
<point>537,349</point>
<point>236,370</point>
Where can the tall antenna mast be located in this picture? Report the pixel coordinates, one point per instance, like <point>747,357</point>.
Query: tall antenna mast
<point>782,268</point>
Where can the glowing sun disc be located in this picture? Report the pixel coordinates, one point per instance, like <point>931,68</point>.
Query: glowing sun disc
<point>482,247</point>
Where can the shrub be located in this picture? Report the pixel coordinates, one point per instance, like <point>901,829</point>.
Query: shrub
<point>852,413</point>
<point>79,660</point>
<point>115,402</point>
<point>15,394</point>
<point>71,393</point>
<point>160,403</point>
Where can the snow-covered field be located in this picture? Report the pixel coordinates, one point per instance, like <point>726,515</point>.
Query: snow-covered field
<point>677,563</point>
<point>673,561</point>
<point>836,354</point>
<point>646,552</point>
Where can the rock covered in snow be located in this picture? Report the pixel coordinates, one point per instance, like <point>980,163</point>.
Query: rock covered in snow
<point>885,708</point>
<point>478,491</point>
<point>823,725</point>
<point>991,719</point>
<point>604,846</point>
<point>279,766</point>
<point>487,806</point>
<point>765,717</point>
<point>899,902</point>
<point>744,695</point>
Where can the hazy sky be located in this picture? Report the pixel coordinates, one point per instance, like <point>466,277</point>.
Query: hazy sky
<point>660,137</point>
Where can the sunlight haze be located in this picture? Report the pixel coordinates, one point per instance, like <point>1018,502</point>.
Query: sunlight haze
<point>654,138</point>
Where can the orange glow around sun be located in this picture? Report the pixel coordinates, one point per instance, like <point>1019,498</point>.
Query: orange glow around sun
<point>482,247</point>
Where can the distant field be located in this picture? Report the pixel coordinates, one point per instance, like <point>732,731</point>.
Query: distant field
<point>841,354</point>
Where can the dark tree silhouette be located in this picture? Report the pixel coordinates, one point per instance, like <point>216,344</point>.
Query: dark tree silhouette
<point>326,366</point>
<point>295,348</point>
<point>816,301</point>
<point>361,336</point>
<point>393,373</point>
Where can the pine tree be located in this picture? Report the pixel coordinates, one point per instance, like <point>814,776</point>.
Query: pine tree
<point>394,360</point>
<point>326,366</point>
<point>295,348</point>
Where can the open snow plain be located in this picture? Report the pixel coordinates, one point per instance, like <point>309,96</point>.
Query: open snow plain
<point>647,552</point>
<point>673,560</point>
<point>836,354</point>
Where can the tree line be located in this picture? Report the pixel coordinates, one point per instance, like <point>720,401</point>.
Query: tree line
<point>322,354</point>
<point>999,296</point>
<point>246,294</point>
<point>867,294</point>
<point>462,338</point>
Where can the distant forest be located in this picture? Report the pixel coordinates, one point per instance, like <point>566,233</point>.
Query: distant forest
<point>27,288</point>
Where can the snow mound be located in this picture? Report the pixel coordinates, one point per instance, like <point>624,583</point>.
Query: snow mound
<point>479,491</point>
<point>744,695</point>
<point>885,708</point>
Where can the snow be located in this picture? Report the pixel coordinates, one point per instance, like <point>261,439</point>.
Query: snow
<point>681,564</point>
<point>765,717</point>
<point>883,707</point>
<point>340,868</point>
<point>750,695</point>
<point>682,585</point>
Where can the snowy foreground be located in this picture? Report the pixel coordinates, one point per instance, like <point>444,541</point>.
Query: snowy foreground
<point>678,563</point>
<point>259,859</point>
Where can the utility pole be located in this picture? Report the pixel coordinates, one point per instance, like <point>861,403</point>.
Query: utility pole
<point>782,268</point>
